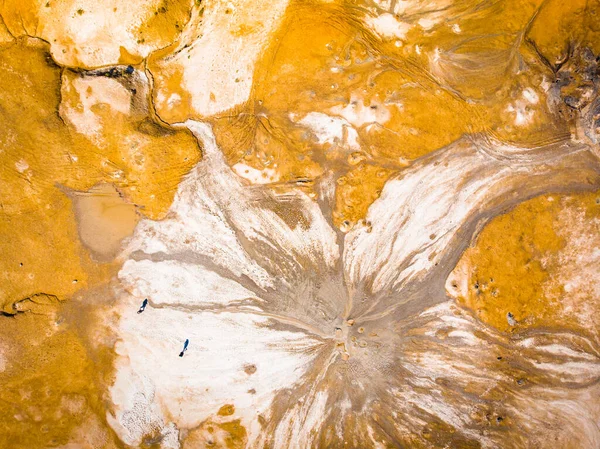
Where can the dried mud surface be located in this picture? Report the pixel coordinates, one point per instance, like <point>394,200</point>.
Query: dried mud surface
<point>366,224</point>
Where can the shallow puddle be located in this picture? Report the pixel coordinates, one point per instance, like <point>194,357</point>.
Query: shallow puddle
<point>104,219</point>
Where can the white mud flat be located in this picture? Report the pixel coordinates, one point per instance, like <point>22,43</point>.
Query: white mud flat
<point>314,338</point>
